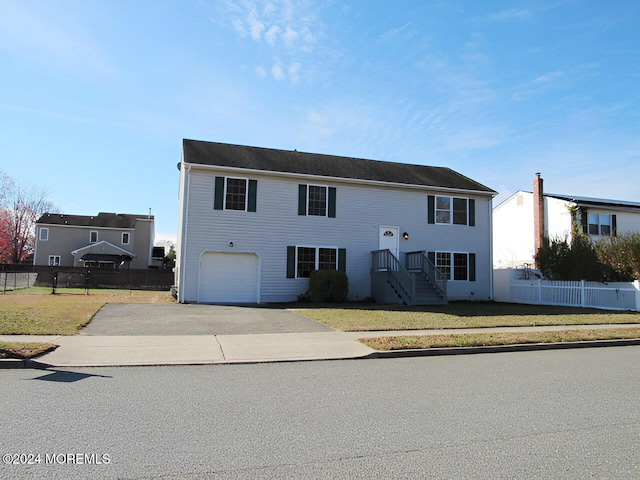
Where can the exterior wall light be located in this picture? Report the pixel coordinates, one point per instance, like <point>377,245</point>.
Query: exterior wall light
<point>405,235</point>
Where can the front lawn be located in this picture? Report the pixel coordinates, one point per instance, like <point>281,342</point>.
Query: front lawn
<point>35,311</point>
<point>369,317</point>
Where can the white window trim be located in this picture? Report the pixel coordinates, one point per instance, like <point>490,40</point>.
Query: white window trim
<point>246,194</point>
<point>41,237</point>
<point>317,256</point>
<point>600,225</point>
<point>326,200</point>
<point>128,238</point>
<point>97,236</point>
<point>452,264</point>
<point>450,222</point>
<point>54,257</point>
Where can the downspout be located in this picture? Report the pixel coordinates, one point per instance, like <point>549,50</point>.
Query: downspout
<point>183,239</point>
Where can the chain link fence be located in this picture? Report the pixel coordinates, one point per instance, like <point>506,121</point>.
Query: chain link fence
<point>10,281</point>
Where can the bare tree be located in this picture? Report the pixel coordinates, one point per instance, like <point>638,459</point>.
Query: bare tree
<point>20,208</point>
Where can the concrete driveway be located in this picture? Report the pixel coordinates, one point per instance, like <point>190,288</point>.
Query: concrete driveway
<point>180,319</point>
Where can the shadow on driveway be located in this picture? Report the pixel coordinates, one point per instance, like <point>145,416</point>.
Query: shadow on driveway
<point>180,319</point>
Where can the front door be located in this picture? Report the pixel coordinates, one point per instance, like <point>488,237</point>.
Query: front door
<point>389,239</point>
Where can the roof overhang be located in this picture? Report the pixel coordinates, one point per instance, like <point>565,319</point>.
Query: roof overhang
<point>244,171</point>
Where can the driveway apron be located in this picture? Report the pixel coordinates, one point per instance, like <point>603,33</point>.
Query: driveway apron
<point>180,319</point>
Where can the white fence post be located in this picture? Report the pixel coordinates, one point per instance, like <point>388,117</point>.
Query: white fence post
<point>636,285</point>
<point>583,294</point>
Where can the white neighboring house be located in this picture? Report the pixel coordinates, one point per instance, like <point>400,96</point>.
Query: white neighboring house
<point>522,221</point>
<point>254,222</point>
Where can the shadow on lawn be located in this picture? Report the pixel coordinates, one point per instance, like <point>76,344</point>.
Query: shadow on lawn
<point>461,308</point>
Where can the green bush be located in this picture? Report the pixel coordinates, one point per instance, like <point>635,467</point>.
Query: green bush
<point>328,286</point>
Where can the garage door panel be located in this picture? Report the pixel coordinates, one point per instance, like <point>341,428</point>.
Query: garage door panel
<point>228,278</point>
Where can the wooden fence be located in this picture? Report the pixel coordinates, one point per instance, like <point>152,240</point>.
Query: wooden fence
<point>510,286</point>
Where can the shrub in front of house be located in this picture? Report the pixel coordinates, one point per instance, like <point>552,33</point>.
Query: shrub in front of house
<point>328,286</point>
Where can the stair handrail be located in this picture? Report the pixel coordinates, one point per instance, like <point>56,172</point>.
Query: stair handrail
<point>420,261</point>
<point>400,278</point>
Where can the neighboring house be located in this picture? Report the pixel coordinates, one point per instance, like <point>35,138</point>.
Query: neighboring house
<point>523,220</point>
<point>254,222</point>
<point>107,240</point>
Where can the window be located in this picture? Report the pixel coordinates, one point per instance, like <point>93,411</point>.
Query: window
<point>93,236</point>
<point>451,210</point>
<point>301,261</point>
<point>44,234</point>
<point>125,238</point>
<point>463,267</point>
<point>54,260</point>
<point>599,224</point>
<point>235,194</point>
<point>317,200</point>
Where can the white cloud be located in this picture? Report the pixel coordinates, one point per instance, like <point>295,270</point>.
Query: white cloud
<point>510,15</point>
<point>261,72</point>
<point>393,33</point>
<point>277,72</point>
<point>271,36</point>
<point>289,37</point>
<point>294,72</point>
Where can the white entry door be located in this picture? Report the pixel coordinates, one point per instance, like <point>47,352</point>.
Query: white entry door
<point>389,239</point>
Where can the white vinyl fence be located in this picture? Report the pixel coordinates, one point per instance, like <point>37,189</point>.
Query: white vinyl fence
<point>511,285</point>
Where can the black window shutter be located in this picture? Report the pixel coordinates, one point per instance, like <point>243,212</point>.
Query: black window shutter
<point>614,226</point>
<point>342,259</point>
<point>472,212</point>
<point>302,199</point>
<point>218,196</point>
<point>332,202</point>
<point>432,257</point>
<point>584,220</point>
<point>472,267</point>
<point>253,190</point>
<point>291,262</point>
<point>431,209</point>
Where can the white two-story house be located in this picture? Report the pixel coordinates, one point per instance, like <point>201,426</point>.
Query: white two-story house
<point>106,240</point>
<point>255,222</point>
<point>523,220</point>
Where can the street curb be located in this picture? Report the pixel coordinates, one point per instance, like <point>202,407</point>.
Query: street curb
<point>520,347</point>
<point>11,363</point>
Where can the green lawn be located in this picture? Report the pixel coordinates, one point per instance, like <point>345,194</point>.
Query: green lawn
<point>368,317</point>
<point>488,339</point>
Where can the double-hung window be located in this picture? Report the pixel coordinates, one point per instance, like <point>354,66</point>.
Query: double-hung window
<point>443,210</point>
<point>93,236</point>
<point>44,234</point>
<point>54,260</point>
<point>232,193</point>
<point>599,224</point>
<point>455,265</point>
<point>302,260</point>
<point>317,200</point>
<point>125,238</point>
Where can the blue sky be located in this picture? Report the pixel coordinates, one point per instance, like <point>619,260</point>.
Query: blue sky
<point>97,95</point>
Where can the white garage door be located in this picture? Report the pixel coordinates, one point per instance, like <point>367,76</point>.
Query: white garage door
<point>228,278</point>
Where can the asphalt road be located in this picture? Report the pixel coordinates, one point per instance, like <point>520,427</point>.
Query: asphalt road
<point>569,414</point>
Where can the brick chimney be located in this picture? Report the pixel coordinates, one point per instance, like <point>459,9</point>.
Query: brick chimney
<point>538,213</point>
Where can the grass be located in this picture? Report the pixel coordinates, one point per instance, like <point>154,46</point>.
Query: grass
<point>35,311</point>
<point>459,315</point>
<point>24,349</point>
<point>488,339</point>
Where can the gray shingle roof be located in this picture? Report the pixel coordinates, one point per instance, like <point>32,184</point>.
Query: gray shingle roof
<point>286,161</point>
<point>107,220</point>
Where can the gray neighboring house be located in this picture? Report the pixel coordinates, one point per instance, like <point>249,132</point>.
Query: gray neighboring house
<point>254,222</point>
<point>106,240</point>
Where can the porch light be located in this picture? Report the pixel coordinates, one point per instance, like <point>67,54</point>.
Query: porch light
<point>405,235</point>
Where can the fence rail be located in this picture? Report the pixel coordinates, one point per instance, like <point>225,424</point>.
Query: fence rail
<point>607,296</point>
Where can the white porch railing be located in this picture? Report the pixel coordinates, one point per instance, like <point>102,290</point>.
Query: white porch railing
<point>607,296</point>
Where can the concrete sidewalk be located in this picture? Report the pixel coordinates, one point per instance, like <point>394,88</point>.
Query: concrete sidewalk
<point>141,350</point>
